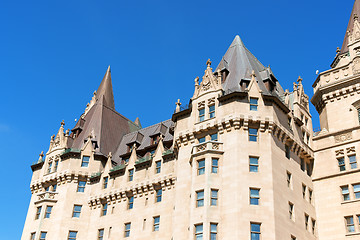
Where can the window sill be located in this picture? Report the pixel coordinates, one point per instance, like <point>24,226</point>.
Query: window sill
<point>352,234</point>
<point>350,201</point>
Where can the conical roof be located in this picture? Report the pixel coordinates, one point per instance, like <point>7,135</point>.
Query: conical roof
<point>350,27</point>
<point>105,89</point>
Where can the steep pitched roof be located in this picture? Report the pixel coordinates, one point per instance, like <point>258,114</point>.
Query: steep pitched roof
<point>240,63</point>
<point>355,10</point>
<point>105,126</point>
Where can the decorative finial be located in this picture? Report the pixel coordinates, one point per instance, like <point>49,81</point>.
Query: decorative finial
<point>253,75</point>
<point>52,137</point>
<point>110,155</point>
<point>337,50</point>
<point>208,62</point>
<point>41,154</point>
<point>299,79</point>
<point>295,86</point>
<point>67,132</point>
<point>178,104</point>
<point>94,93</point>
<point>62,123</point>
<point>196,81</point>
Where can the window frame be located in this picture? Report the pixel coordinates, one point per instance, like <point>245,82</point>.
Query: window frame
<point>200,200</point>
<point>341,166</point>
<point>105,182</point>
<point>85,160</point>
<point>104,209</point>
<point>81,188</point>
<point>213,232</point>
<point>76,212</point>
<point>199,233</point>
<point>158,167</point>
<point>201,169</point>
<point>158,197</point>
<point>131,175</point>
<point>214,137</point>
<point>357,191</point>
<point>253,105</point>
<point>257,233</point>
<point>156,224</point>
<point>72,237</point>
<point>253,165</point>
<point>48,211</point>
<point>252,136</point>
<point>127,229</point>
<point>214,198</point>
<point>130,204</point>
<point>345,193</point>
<point>201,112</point>
<point>211,111</point>
<point>215,167</point>
<point>255,197</point>
<point>42,235</point>
<point>349,225</point>
<point>100,234</point>
<point>352,162</point>
<point>38,213</point>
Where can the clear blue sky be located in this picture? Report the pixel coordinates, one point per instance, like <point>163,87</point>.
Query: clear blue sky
<point>53,55</point>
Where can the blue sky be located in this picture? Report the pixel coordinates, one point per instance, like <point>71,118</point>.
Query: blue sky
<point>53,55</point>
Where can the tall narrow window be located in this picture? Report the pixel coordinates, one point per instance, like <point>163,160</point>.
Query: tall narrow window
<point>255,231</point>
<point>104,209</point>
<point>201,167</point>
<point>76,211</point>
<point>254,164</point>
<point>288,178</point>
<point>56,165</point>
<point>254,196</point>
<point>345,193</point>
<point>306,221</point>
<point>127,229</point>
<point>158,195</point>
<point>158,167</point>
<point>201,114</point>
<point>214,197</point>
<point>350,227</point>
<point>48,211</point>
<point>131,202</point>
<point>85,161</point>
<point>100,234</point>
<point>72,235</point>
<point>352,160</point>
<point>214,165</point>
<point>156,226</point>
<point>81,186</point>
<point>105,183</point>
<point>43,236</point>
<point>253,134</point>
<point>200,198</point>
<point>214,137</point>
<point>213,231</point>
<point>287,151</point>
<point>313,225</point>
<point>54,187</point>
<point>356,191</point>
<point>38,212</point>
<point>49,167</point>
<point>341,163</point>
<point>291,211</point>
<point>310,195</point>
<point>253,104</point>
<point>303,191</point>
<point>199,232</point>
<point>131,175</point>
<point>212,111</point>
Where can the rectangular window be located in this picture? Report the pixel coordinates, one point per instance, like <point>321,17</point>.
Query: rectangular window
<point>213,231</point>
<point>81,186</point>
<point>48,211</point>
<point>72,235</point>
<point>54,187</point>
<point>56,165</point>
<point>100,234</point>
<point>76,211</point>
<point>313,225</point>
<point>49,167</point>
<point>287,151</point>
<point>85,161</point>
<point>253,164</point>
<point>105,183</point>
<point>201,114</point>
<point>253,134</point>
<point>127,229</point>
<point>214,197</point>
<point>156,226</point>
<point>306,221</point>
<point>303,191</point>
<point>214,165</point>
<point>255,231</point>
<point>200,198</point>
<point>310,195</point>
<point>352,160</point>
<point>131,175</point>
<point>345,193</point>
<point>341,163</point>
<point>104,209</point>
<point>32,236</point>
<point>254,196</point>
<point>158,167</point>
<point>212,111</point>
<point>302,164</point>
<point>199,232</point>
<point>253,104</point>
<point>43,236</point>
<point>131,202</point>
<point>201,167</point>
<point>291,211</point>
<point>38,212</point>
<point>288,178</point>
<point>349,221</point>
<point>201,140</point>
<point>214,137</point>
<point>356,188</point>
<point>158,195</point>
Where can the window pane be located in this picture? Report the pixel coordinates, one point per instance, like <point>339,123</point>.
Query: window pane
<point>201,140</point>
<point>255,227</point>
<point>214,137</point>
<point>253,168</point>
<point>199,228</point>
<point>254,192</point>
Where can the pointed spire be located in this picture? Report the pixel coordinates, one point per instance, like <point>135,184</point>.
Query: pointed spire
<point>137,122</point>
<point>105,90</point>
<point>353,17</point>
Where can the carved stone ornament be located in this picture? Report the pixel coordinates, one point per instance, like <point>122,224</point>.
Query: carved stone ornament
<point>343,137</point>
<point>356,66</point>
<point>201,104</point>
<point>350,150</point>
<point>339,152</point>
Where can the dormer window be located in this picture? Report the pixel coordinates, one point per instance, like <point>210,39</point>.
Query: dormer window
<point>253,104</point>
<point>155,140</point>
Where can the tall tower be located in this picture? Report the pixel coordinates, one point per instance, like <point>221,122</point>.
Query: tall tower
<point>336,147</point>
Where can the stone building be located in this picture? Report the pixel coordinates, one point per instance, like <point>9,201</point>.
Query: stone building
<point>240,161</point>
